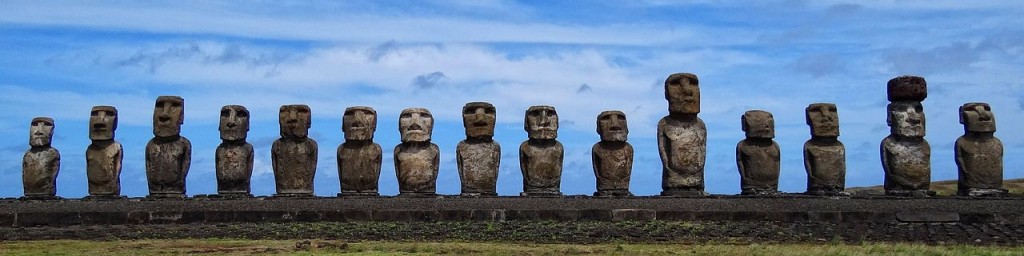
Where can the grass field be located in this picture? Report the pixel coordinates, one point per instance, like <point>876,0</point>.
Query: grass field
<point>319,247</point>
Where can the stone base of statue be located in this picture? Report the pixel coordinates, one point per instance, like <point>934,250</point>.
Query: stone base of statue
<point>40,197</point>
<point>103,197</point>
<point>683,193</point>
<point>541,193</point>
<point>160,196</point>
<point>294,195</point>
<point>828,193</point>
<point>417,194</point>
<point>760,192</point>
<point>359,194</point>
<point>983,192</point>
<point>478,194</point>
<point>910,193</point>
<point>232,195</point>
<point>613,193</point>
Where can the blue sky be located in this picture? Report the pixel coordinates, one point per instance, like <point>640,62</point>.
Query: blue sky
<point>59,58</point>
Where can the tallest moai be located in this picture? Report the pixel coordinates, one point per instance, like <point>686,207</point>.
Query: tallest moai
<point>682,138</point>
<point>906,155</point>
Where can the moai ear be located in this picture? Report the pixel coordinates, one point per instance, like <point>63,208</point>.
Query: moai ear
<point>743,122</point>
<point>888,115</point>
<point>962,114</point>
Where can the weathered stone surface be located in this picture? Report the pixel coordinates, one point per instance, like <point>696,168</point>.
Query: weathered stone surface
<point>168,154</point>
<point>979,154</point>
<point>540,157</point>
<point>294,155</point>
<point>612,157</point>
<point>682,138</point>
<point>103,157</point>
<point>41,163</point>
<point>824,154</point>
<point>478,156</point>
<point>758,156</point>
<point>416,158</point>
<point>359,158</point>
<point>906,155</point>
<point>234,155</point>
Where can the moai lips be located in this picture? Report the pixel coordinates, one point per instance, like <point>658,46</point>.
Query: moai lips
<point>612,157</point>
<point>758,156</point>
<point>824,155</point>
<point>416,158</point>
<point>540,157</point>
<point>682,138</point>
<point>104,155</point>
<point>979,154</point>
<point>359,158</point>
<point>168,154</point>
<point>234,156</point>
<point>478,156</point>
<point>294,155</point>
<point>41,162</point>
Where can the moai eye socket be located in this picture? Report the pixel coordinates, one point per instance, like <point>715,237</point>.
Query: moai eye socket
<point>405,115</point>
<point>176,104</point>
<point>95,113</point>
<point>225,113</point>
<point>469,111</point>
<point>606,118</point>
<point>534,113</point>
<point>489,111</point>
<point>918,107</point>
<point>303,111</point>
<point>425,115</point>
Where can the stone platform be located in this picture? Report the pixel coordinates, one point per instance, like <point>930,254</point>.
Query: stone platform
<point>790,208</point>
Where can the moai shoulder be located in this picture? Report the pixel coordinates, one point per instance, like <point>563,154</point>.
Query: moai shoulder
<point>234,156</point>
<point>104,155</point>
<point>612,156</point>
<point>758,156</point>
<point>540,156</point>
<point>682,138</point>
<point>359,158</point>
<point>294,155</point>
<point>168,154</point>
<point>417,160</point>
<point>41,162</point>
<point>824,154</point>
<point>979,154</point>
<point>478,156</point>
<point>906,155</point>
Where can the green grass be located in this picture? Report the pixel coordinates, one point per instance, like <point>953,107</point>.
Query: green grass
<point>320,247</point>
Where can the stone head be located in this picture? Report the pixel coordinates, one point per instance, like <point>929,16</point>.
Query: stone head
<point>911,88</point>
<point>41,132</point>
<point>611,125</point>
<point>102,123</point>
<point>683,93</point>
<point>758,124</point>
<point>234,123</point>
<point>359,123</point>
<point>906,118</point>
<point>478,119</point>
<point>295,121</point>
<point>823,119</point>
<point>977,117</point>
<point>541,123</point>
<point>168,115</point>
<point>415,125</point>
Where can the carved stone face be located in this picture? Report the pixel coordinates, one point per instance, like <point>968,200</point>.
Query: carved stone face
<point>102,123</point>
<point>415,125</point>
<point>541,123</point>
<point>478,119</point>
<point>611,125</point>
<point>823,119</point>
<point>41,132</point>
<point>234,122</point>
<point>168,115</point>
<point>977,117</point>
<point>359,123</point>
<point>758,124</point>
<point>295,121</point>
<point>683,93</point>
<point>906,118</point>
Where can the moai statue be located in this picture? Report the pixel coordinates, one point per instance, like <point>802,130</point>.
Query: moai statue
<point>540,157</point>
<point>168,154</point>
<point>234,155</point>
<point>612,156</point>
<point>359,158</point>
<point>906,155</point>
<point>103,157</point>
<point>979,154</point>
<point>41,163</point>
<point>416,158</point>
<point>824,155</point>
<point>478,156</point>
<point>294,154</point>
<point>757,156</point>
<point>682,138</point>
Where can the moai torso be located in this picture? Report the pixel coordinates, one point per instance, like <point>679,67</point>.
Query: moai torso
<point>824,155</point>
<point>416,159</point>
<point>979,154</point>
<point>907,164</point>
<point>103,156</point>
<point>168,154</point>
<point>540,157</point>
<point>682,138</point>
<point>41,162</point>
<point>359,158</point>
<point>478,156</point>
<point>906,155</point>
<point>612,157</point>
<point>758,156</point>
<point>294,155</point>
<point>234,155</point>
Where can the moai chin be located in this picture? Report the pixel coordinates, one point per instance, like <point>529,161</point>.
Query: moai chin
<point>168,154</point>
<point>758,156</point>
<point>234,155</point>
<point>359,158</point>
<point>103,157</point>
<point>682,138</point>
<point>979,154</point>
<point>906,155</point>
<point>612,156</point>
<point>294,155</point>
<point>41,164</point>
<point>478,156</point>
<point>824,154</point>
<point>540,157</point>
<point>416,158</point>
